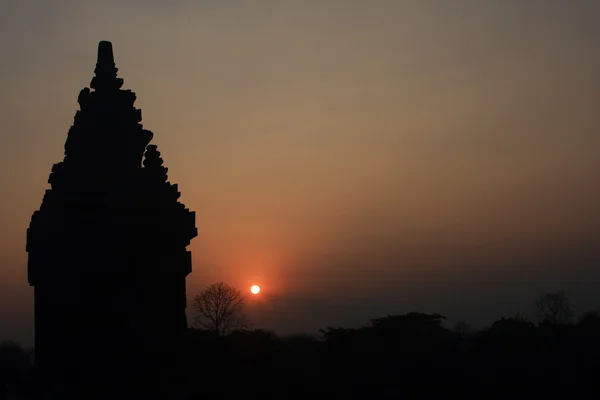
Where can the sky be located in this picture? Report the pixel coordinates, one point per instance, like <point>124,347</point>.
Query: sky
<point>353,158</point>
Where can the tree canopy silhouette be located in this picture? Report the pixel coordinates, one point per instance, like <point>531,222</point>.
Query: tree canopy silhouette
<point>220,308</point>
<point>15,368</point>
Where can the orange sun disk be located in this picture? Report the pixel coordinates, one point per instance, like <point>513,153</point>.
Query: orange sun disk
<point>255,289</point>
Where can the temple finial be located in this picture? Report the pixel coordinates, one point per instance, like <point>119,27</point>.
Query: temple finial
<point>106,72</point>
<point>105,54</point>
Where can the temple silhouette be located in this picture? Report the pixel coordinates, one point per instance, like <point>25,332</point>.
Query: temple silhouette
<point>107,254</point>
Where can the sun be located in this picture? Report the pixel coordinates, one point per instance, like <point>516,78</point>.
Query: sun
<point>255,289</point>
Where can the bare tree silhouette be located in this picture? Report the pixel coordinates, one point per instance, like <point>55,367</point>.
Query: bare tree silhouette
<point>220,308</point>
<point>554,308</point>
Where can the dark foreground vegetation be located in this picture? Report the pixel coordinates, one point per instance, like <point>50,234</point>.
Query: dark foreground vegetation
<point>404,356</point>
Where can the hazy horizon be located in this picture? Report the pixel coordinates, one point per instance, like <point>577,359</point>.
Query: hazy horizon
<point>355,159</point>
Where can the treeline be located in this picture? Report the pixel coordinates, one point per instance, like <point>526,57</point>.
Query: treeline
<point>397,356</point>
<point>410,356</point>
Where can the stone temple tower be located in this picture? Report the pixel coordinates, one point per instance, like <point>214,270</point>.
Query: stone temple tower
<point>107,254</point>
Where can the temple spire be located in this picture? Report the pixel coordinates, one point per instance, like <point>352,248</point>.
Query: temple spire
<point>108,256</point>
<point>106,72</point>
